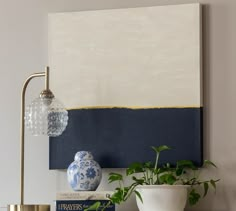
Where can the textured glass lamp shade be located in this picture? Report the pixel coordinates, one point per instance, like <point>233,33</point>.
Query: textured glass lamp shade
<point>46,116</point>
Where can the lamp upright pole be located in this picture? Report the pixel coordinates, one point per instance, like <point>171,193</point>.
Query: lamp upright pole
<point>21,206</point>
<point>22,166</point>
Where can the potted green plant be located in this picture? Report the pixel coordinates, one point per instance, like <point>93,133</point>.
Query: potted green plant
<point>160,187</point>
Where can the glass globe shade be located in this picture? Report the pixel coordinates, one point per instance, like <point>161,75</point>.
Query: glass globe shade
<point>46,116</point>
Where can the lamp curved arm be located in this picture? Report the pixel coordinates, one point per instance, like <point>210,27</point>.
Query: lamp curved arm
<point>22,142</point>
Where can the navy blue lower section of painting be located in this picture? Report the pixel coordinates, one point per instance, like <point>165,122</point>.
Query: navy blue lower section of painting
<point>120,136</point>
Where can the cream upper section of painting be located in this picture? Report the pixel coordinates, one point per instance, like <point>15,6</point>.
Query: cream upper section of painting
<point>146,57</point>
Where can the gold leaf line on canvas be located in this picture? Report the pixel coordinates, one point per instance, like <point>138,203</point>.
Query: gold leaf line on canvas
<point>131,107</point>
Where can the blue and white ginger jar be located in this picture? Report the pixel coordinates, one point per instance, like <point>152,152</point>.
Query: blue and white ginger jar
<point>84,174</point>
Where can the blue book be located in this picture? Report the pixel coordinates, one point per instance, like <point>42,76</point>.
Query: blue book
<point>80,205</point>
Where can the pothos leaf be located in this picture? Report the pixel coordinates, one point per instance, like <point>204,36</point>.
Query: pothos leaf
<point>171,180</point>
<point>135,168</point>
<point>206,187</point>
<point>213,184</point>
<point>138,181</point>
<point>94,206</point>
<point>167,179</point>
<point>193,197</point>
<point>208,162</point>
<point>139,196</point>
<point>160,148</point>
<point>179,171</point>
<point>186,164</point>
<point>148,165</point>
<point>115,177</point>
<point>117,197</point>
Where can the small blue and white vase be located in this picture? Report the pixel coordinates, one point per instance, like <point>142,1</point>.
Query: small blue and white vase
<point>84,174</point>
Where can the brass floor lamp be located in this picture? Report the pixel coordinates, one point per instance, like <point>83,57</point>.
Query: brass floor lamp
<point>44,116</point>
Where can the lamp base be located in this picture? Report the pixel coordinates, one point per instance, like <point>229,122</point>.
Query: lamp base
<point>28,207</point>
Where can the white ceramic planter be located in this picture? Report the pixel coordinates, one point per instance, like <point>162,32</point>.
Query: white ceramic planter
<point>162,197</point>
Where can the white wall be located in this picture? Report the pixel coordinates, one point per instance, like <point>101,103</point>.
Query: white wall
<point>23,50</point>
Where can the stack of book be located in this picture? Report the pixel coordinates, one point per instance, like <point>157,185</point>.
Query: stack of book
<point>78,201</point>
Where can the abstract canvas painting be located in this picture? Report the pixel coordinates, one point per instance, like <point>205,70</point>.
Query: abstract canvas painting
<point>130,79</point>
